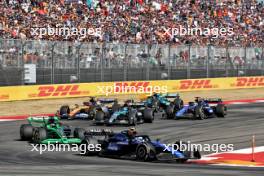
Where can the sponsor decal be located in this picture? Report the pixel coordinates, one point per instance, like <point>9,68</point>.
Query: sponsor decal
<point>4,97</point>
<point>58,91</point>
<point>249,82</point>
<point>195,84</point>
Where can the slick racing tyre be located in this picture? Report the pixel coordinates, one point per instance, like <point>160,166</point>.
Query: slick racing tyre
<point>170,111</point>
<point>115,107</point>
<point>145,152</point>
<point>178,104</point>
<point>132,120</point>
<point>88,147</point>
<point>220,110</point>
<point>79,133</point>
<point>26,132</point>
<point>156,105</point>
<point>39,135</point>
<point>64,112</point>
<point>148,115</point>
<point>199,113</point>
<point>99,116</point>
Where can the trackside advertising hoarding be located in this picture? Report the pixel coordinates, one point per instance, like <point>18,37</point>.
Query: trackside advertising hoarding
<point>13,93</point>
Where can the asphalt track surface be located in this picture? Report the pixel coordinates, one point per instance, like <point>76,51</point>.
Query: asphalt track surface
<point>237,128</point>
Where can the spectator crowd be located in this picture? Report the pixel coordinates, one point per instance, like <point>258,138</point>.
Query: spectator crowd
<point>136,21</point>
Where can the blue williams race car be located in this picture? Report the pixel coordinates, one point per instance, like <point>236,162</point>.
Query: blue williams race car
<point>127,144</point>
<point>203,109</point>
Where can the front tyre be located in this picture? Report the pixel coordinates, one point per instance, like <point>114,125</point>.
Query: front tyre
<point>148,115</point>
<point>39,135</point>
<point>145,152</point>
<point>79,133</point>
<point>220,110</point>
<point>26,132</point>
<point>199,113</point>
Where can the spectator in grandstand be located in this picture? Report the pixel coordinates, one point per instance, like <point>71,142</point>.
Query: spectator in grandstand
<point>136,21</point>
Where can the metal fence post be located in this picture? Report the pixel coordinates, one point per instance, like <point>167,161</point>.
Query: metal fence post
<point>52,64</point>
<point>189,62</point>
<point>125,64</point>
<point>102,62</point>
<point>262,61</point>
<point>227,60</point>
<point>207,60</point>
<point>169,59</point>
<point>22,63</point>
<point>245,59</point>
<point>148,60</point>
<point>78,62</point>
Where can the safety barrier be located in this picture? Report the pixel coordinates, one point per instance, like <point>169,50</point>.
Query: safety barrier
<point>13,93</point>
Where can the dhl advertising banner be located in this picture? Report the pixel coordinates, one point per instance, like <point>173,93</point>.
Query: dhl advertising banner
<point>130,87</point>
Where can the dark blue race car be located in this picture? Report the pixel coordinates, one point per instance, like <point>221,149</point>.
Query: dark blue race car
<point>128,144</point>
<point>203,109</point>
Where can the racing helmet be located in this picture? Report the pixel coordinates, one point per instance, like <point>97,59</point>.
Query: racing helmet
<point>51,120</point>
<point>132,131</point>
<point>191,103</point>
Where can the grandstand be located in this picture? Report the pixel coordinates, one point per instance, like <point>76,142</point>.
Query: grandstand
<point>131,43</point>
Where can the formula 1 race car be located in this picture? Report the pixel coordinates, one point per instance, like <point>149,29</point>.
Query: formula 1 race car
<point>47,130</point>
<point>86,111</point>
<point>127,144</point>
<point>162,102</point>
<point>129,114</point>
<point>203,109</point>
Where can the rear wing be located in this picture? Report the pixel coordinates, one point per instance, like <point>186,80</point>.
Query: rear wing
<point>107,100</point>
<point>171,95</point>
<point>138,105</point>
<point>213,100</point>
<point>99,132</point>
<point>41,119</point>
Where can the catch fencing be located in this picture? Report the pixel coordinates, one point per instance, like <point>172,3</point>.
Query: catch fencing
<point>73,62</point>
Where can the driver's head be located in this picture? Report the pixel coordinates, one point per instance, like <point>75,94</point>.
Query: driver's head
<point>191,103</point>
<point>155,95</point>
<point>132,131</point>
<point>92,100</point>
<point>51,120</point>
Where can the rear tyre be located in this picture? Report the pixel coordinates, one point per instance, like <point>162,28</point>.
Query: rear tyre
<point>178,104</point>
<point>199,113</point>
<point>99,117</point>
<point>145,152</point>
<point>88,143</point>
<point>39,135</point>
<point>64,112</point>
<point>115,107</point>
<point>148,115</point>
<point>26,132</point>
<point>170,111</point>
<point>79,133</point>
<point>220,110</point>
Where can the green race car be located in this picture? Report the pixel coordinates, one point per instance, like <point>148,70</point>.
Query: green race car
<point>49,130</point>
